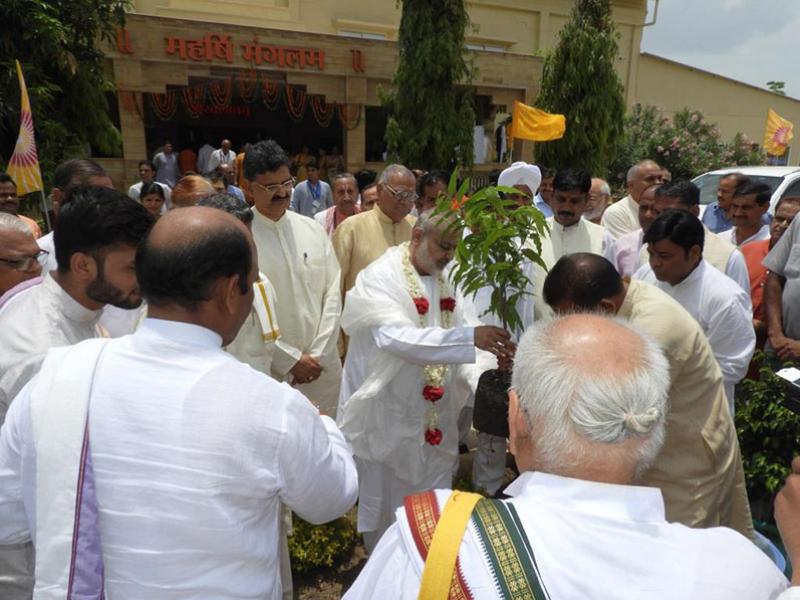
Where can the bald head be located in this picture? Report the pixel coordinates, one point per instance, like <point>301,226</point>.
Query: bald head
<point>581,281</point>
<point>188,251</point>
<point>18,250</point>
<point>593,391</point>
<point>642,175</point>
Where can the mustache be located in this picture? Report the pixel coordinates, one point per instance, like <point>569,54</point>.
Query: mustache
<point>565,213</point>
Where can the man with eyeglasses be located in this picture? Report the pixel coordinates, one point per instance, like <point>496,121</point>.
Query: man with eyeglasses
<point>364,238</point>
<point>9,203</point>
<point>296,255</point>
<point>19,256</point>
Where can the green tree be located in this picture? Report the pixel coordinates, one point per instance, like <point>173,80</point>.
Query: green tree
<point>579,81</point>
<point>430,106</point>
<point>57,45</point>
<point>777,87</point>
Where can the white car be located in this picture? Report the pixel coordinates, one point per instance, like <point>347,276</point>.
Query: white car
<point>784,181</point>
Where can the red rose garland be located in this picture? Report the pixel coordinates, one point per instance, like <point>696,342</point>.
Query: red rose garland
<point>433,390</point>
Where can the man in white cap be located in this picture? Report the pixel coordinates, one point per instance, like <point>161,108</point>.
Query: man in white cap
<point>526,178</point>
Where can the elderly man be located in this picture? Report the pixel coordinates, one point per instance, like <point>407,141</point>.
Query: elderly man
<point>782,295</point>
<point>97,233</point>
<point>748,209</point>
<point>167,508</point>
<point>400,398</point>
<point>722,308</point>
<point>724,256</point>
<point>345,195</point>
<point>527,179</point>
<point>221,156</point>
<point>20,257</point>
<point>755,252</point>
<point>699,469</point>
<point>599,199</point>
<point>364,238</point>
<point>623,217</point>
<point>297,257</point>
<point>581,436</point>
<point>716,217</point>
<point>9,203</point>
<point>312,195</point>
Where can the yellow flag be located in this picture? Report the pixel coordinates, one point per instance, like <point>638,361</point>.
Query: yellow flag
<point>778,135</point>
<point>529,123</point>
<point>24,164</point>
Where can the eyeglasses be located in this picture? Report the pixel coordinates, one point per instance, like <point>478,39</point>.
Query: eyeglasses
<point>26,262</point>
<point>287,185</point>
<point>401,196</point>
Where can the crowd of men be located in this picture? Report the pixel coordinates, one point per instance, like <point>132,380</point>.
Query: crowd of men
<point>176,376</point>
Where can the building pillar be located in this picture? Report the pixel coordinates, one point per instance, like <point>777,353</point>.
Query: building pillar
<point>134,144</point>
<point>355,139</point>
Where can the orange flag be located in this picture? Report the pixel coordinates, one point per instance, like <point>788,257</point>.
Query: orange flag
<point>529,123</point>
<point>24,164</point>
<point>778,134</point>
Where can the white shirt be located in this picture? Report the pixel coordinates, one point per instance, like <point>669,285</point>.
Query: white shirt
<point>203,155</point>
<point>730,236</point>
<point>724,312</point>
<point>134,192</point>
<point>627,252</point>
<point>590,540</point>
<point>218,157</point>
<point>296,255</point>
<point>39,318</point>
<point>193,454</point>
<point>621,217</point>
<point>583,236</point>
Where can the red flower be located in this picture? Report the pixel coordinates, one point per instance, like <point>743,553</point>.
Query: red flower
<point>448,304</point>
<point>422,305</point>
<point>433,436</point>
<point>432,393</point>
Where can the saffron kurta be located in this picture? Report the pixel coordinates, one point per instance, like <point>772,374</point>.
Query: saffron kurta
<point>699,469</point>
<point>363,238</point>
<point>297,257</point>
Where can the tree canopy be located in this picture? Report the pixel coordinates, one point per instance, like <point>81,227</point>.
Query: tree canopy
<point>56,44</point>
<point>431,117</point>
<point>579,81</point>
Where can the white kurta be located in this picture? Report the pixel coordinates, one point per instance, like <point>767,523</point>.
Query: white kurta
<point>730,236</point>
<point>584,236</point>
<point>39,318</point>
<point>621,217</point>
<point>382,412</point>
<point>193,453</point>
<point>254,345</point>
<point>590,540</point>
<point>724,312</point>
<point>296,255</point>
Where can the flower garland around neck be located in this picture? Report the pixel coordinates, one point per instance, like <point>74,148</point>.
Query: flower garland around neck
<point>434,375</point>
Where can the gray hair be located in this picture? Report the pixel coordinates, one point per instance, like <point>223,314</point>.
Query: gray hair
<point>605,189</point>
<point>395,169</point>
<point>339,176</point>
<point>633,172</point>
<point>9,222</point>
<point>575,408</point>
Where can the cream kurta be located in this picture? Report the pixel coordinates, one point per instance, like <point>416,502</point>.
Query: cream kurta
<point>621,217</point>
<point>363,238</point>
<point>720,254</point>
<point>297,257</point>
<point>256,341</point>
<point>699,469</point>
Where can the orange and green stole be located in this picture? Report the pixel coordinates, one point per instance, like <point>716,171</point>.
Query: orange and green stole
<point>506,548</point>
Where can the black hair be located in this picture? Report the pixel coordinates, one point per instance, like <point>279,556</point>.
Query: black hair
<point>494,177</point>
<point>547,172</point>
<point>762,191</point>
<point>95,219</point>
<point>572,179</point>
<point>215,176</point>
<point>76,171</point>
<point>685,191</point>
<point>149,163</point>
<point>312,164</point>
<point>583,279</point>
<point>365,177</point>
<point>230,204</point>
<point>6,178</point>
<point>151,188</point>
<point>431,178</point>
<point>264,157</point>
<point>679,227</point>
<point>184,273</point>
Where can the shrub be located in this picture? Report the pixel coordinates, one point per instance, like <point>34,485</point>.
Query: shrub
<point>316,546</point>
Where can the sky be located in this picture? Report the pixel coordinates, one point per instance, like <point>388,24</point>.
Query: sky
<point>754,41</point>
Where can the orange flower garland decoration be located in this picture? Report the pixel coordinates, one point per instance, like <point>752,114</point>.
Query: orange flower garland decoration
<point>221,92</point>
<point>248,85</point>
<point>323,112</point>
<point>434,375</point>
<point>295,106</point>
<point>164,105</point>
<point>193,100</point>
<point>271,92</point>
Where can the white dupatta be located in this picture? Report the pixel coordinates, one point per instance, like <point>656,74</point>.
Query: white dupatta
<point>68,556</point>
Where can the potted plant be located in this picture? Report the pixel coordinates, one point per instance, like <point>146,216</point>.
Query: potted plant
<point>501,235</point>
